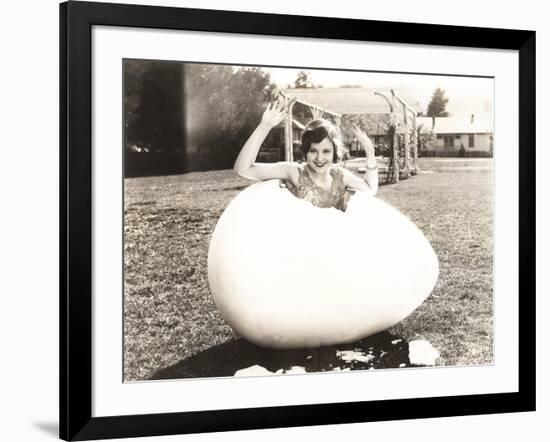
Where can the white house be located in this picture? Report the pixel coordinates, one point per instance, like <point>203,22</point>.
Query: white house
<point>466,136</point>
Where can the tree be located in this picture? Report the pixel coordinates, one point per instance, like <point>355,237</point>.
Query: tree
<point>303,80</point>
<point>438,104</point>
<point>301,112</point>
<point>154,105</point>
<point>223,105</point>
<point>134,71</point>
<point>173,107</point>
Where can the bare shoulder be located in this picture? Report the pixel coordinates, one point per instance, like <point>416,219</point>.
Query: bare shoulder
<point>341,170</point>
<point>294,171</point>
<point>346,174</point>
<point>352,181</point>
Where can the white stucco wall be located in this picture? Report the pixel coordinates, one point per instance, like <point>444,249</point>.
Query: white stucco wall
<point>482,143</point>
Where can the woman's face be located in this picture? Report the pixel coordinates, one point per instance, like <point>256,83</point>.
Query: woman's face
<point>319,156</point>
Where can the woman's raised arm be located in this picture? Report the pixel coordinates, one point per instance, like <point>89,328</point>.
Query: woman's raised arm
<point>245,164</point>
<point>370,183</point>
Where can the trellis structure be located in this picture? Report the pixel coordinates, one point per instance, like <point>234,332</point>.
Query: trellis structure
<point>339,102</point>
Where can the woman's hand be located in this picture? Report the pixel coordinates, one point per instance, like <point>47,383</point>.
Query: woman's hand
<point>274,114</point>
<point>245,164</point>
<point>365,141</point>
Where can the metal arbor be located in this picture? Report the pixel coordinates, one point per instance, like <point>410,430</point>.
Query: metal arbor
<point>339,102</point>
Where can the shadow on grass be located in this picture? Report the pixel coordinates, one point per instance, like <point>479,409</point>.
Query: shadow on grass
<point>225,188</point>
<point>385,350</point>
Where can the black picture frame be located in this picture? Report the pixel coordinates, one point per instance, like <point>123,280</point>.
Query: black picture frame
<point>76,21</point>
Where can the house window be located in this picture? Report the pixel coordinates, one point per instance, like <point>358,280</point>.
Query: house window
<point>448,141</point>
<point>457,137</point>
<point>471,141</point>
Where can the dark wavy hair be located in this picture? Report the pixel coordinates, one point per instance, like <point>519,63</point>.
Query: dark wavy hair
<point>316,131</point>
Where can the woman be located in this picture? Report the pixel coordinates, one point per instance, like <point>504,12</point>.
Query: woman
<point>319,181</point>
<point>281,278</point>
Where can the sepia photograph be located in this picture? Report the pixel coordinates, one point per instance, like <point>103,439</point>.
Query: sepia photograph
<point>290,220</point>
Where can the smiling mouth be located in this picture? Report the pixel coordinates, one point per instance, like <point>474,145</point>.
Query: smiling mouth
<point>319,165</point>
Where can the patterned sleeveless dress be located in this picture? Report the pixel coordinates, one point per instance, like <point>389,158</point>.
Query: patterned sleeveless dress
<point>318,196</point>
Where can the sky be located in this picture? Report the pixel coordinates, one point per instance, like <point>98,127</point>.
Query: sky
<point>466,95</point>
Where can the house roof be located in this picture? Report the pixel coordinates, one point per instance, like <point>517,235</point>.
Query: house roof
<point>454,125</point>
<point>352,101</point>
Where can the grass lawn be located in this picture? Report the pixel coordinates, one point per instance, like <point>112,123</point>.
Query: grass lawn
<point>172,327</point>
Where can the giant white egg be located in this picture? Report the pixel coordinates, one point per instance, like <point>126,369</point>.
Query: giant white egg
<point>287,274</point>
